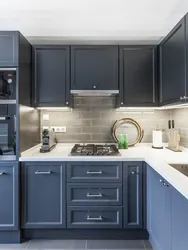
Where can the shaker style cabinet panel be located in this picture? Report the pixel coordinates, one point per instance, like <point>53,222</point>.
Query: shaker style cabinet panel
<point>94,67</point>
<point>94,171</point>
<point>133,194</point>
<point>95,194</point>
<point>9,215</point>
<point>158,210</point>
<point>94,217</point>
<point>173,65</point>
<point>138,76</point>
<point>179,220</point>
<point>43,187</point>
<point>9,48</point>
<point>51,76</point>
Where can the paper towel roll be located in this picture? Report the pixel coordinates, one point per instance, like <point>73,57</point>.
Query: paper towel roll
<point>157,139</point>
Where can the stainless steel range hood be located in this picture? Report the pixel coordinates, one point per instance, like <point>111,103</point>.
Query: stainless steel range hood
<point>94,92</point>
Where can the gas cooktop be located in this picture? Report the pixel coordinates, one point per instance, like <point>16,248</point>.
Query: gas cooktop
<point>94,149</point>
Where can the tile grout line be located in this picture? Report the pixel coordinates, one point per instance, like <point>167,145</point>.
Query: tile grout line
<point>144,245</point>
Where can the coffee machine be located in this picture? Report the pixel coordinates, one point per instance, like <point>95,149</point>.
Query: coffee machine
<point>48,140</point>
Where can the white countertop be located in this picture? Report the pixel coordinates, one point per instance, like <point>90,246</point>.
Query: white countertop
<point>158,159</point>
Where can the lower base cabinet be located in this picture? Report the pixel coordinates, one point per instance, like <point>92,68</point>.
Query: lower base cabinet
<point>43,195</point>
<point>167,209</point>
<point>111,195</point>
<point>179,220</point>
<point>9,196</point>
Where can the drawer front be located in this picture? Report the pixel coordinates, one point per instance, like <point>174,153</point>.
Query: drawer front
<point>94,217</point>
<point>94,194</point>
<point>94,172</point>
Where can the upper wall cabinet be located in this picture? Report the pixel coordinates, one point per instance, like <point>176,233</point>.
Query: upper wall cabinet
<point>94,67</point>
<point>173,65</point>
<point>51,76</point>
<point>138,76</point>
<point>14,49</point>
<point>9,46</point>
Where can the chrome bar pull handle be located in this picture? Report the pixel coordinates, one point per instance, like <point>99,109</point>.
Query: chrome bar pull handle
<point>94,195</point>
<point>41,172</point>
<point>94,218</point>
<point>93,172</point>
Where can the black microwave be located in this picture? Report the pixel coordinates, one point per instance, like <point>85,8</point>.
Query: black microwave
<point>8,84</point>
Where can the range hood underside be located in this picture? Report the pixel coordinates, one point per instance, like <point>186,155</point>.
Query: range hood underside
<point>94,92</point>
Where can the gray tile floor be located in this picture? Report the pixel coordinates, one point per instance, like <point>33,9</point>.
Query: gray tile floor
<point>80,244</point>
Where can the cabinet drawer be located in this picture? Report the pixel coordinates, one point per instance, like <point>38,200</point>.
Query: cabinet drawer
<point>94,194</point>
<point>94,217</point>
<point>94,172</point>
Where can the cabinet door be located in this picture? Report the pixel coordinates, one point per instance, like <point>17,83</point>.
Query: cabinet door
<point>158,216</point>
<point>138,83</point>
<point>51,76</point>
<point>94,67</point>
<point>172,65</point>
<point>179,220</point>
<point>43,195</point>
<point>9,41</point>
<point>133,194</point>
<point>9,196</point>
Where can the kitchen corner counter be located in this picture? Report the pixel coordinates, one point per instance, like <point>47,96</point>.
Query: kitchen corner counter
<point>158,159</point>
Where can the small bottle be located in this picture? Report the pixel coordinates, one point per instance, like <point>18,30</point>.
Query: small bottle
<point>120,141</point>
<point>125,144</point>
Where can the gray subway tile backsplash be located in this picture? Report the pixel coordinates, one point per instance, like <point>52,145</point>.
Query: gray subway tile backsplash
<point>92,118</point>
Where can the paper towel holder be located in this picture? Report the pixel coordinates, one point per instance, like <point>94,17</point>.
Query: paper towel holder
<point>157,139</point>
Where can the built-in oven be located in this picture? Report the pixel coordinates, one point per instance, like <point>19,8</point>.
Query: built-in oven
<point>8,114</point>
<point>8,84</point>
<point>8,131</point>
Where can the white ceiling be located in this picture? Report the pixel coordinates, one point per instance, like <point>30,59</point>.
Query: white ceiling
<point>91,20</point>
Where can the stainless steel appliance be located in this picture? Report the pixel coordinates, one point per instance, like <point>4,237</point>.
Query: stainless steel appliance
<point>48,140</point>
<point>182,168</point>
<point>8,85</point>
<point>8,131</point>
<point>93,149</point>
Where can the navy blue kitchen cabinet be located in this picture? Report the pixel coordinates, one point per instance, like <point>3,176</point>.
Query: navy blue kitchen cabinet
<point>94,67</point>
<point>94,217</point>
<point>96,194</point>
<point>133,194</point>
<point>138,76</point>
<point>9,48</point>
<point>158,210</point>
<point>173,65</point>
<point>9,196</point>
<point>51,79</point>
<point>43,195</point>
<point>14,49</point>
<point>105,171</point>
<point>179,220</point>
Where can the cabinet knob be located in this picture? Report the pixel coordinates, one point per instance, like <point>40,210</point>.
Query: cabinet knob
<point>1,173</point>
<point>181,98</point>
<point>94,87</point>
<point>165,184</point>
<point>161,180</point>
<point>67,102</point>
<point>133,172</point>
<point>121,103</point>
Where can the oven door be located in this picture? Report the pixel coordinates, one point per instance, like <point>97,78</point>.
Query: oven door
<point>8,137</point>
